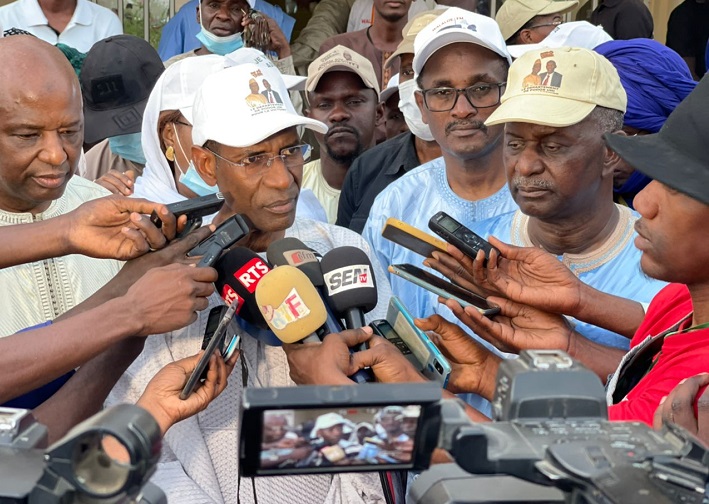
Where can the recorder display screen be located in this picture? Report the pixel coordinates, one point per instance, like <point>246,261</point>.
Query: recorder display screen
<point>310,438</point>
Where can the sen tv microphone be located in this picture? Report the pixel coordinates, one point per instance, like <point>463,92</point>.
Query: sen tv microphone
<point>293,252</point>
<point>291,306</point>
<point>351,288</point>
<point>240,270</point>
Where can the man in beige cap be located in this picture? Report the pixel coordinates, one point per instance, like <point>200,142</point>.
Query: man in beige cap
<point>383,164</point>
<point>343,93</point>
<point>560,173</point>
<point>530,21</point>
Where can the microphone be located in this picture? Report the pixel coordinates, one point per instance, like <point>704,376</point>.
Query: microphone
<point>293,252</point>
<point>240,270</point>
<point>351,288</point>
<point>291,306</point>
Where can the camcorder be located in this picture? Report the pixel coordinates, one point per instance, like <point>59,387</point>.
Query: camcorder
<point>550,440</point>
<point>105,459</point>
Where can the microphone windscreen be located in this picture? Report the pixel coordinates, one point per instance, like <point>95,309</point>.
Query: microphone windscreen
<point>293,252</point>
<point>290,304</point>
<point>349,280</point>
<point>239,272</point>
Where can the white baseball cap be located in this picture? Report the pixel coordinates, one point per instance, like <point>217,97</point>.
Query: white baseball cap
<point>573,34</point>
<point>392,87</point>
<point>181,80</point>
<point>457,25</point>
<point>228,111</point>
<point>251,55</point>
<point>326,421</point>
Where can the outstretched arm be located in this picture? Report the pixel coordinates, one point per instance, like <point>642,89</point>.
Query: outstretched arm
<point>107,228</point>
<point>520,327</point>
<point>531,276</point>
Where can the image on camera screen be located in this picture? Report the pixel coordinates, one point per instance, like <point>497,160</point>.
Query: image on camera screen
<point>302,438</point>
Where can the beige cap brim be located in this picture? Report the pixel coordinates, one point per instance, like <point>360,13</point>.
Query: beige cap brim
<point>405,47</point>
<point>512,24</point>
<point>558,7</point>
<point>552,111</point>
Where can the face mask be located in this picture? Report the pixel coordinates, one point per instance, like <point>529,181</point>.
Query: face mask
<point>191,179</point>
<point>216,44</point>
<point>412,114</point>
<point>128,147</point>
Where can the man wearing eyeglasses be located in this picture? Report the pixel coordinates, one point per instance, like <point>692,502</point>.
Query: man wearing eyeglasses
<point>530,21</point>
<point>254,153</point>
<point>560,173</point>
<point>460,64</point>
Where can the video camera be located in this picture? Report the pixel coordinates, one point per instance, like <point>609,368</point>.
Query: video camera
<point>550,440</point>
<point>105,459</point>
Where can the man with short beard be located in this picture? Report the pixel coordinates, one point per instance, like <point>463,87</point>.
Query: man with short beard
<point>342,92</point>
<point>460,64</point>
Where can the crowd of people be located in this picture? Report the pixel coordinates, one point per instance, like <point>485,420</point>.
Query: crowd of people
<point>577,149</point>
<point>344,438</point>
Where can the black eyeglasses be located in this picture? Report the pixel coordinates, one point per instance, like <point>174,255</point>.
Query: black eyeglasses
<point>443,99</point>
<point>258,164</point>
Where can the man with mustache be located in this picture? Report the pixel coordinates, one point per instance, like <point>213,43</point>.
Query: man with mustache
<point>560,173</point>
<point>669,343</point>
<point>256,156</point>
<point>460,64</point>
<point>342,92</point>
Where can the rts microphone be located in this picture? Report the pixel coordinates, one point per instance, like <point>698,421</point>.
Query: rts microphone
<point>293,252</point>
<point>291,306</point>
<point>351,288</point>
<point>240,271</point>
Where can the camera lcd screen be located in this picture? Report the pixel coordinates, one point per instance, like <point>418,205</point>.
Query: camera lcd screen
<point>341,437</point>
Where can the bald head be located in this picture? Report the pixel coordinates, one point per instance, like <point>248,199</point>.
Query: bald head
<point>29,62</point>
<point>41,124</point>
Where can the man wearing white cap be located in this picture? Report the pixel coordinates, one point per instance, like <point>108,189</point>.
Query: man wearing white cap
<point>530,21</point>
<point>560,173</point>
<point>255,156</point>
<point>343,93</point>
<point>461,64</point>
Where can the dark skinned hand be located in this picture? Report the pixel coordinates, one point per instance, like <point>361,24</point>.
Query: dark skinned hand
<point>117,182</point>
<point>473,367</point>
<point>518,327</point>
<point>162,394</point>
<point>678,407</point>
<point>115,227</point>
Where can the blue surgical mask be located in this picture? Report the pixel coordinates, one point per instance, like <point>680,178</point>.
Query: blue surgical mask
<point>128,147</point>
<point>191,179</point>
<point>216,44</point>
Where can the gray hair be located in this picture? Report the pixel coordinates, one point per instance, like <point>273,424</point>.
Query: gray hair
<point>607,119</point>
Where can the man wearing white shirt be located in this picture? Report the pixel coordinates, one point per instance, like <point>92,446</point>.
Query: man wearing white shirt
<point>75,23</point>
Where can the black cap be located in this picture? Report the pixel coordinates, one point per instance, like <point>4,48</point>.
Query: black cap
<point>116,80</point>
<point>677,155</point>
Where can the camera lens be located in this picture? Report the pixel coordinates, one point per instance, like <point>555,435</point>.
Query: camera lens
<point>101,465</point>
<point>438,367</point>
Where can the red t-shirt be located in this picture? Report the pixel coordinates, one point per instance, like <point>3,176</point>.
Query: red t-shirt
<point>683,355</point>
